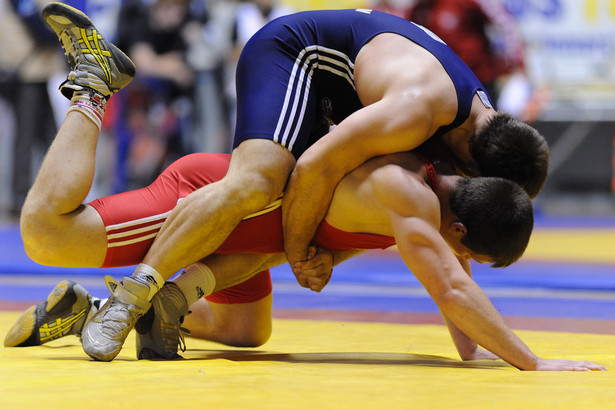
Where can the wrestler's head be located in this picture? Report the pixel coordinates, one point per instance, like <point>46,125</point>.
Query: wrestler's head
<point>495,218</point>
<point>507,147</point>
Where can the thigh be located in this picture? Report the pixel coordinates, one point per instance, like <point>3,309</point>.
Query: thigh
<point>76,239</point>
<point>131,220</point>
<point>259,165</point>
<point>275,97</point>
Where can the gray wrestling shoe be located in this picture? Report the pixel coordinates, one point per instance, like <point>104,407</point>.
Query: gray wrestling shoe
<point>158,331</point>
<point>95,63</point>
<point>103,336</point>
<point>65,311</point>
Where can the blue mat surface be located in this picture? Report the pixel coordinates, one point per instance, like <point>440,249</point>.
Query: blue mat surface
<point>375,281</point>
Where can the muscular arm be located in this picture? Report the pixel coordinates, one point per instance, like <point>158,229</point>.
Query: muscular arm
<point>376,129</point>
<point>414,214</point>
<point>458,297</point>
<point>466,347</point>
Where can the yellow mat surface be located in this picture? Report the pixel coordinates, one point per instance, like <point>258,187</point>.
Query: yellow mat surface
<point>572,245</point>
<point>309,365</point>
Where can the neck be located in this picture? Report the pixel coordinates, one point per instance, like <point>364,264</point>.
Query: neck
<point>446,183</point>
<point>458,139</point>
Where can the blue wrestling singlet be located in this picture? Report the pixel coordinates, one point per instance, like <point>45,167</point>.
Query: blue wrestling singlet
<point>295,76</point>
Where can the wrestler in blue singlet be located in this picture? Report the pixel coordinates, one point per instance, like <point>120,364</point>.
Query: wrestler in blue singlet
<point>295,76</point>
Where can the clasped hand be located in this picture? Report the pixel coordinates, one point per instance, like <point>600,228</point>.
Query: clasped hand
<point>314,272</point>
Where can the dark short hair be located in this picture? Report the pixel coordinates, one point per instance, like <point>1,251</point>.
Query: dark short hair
<point>507,147</point>
<point>498,216</point>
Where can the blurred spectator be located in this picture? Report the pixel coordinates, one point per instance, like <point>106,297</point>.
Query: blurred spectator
<point>29,57</point>
<point>155,33</point>
<point>485,35</point>
<point>399,8</point>
<point>209,43</point>
<point>105,15</point>
<point>250,16</point>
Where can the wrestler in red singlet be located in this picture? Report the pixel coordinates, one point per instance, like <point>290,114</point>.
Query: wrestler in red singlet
<point>133,219</point>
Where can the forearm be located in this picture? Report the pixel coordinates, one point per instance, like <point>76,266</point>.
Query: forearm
<point>465,346</point>
<point>469,309</point>
<point>304,206</point>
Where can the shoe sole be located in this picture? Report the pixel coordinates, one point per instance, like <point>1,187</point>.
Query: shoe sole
<point>22,330</point>
<point>25,331</point>
<point>62,18</point>
<point>62,15</point>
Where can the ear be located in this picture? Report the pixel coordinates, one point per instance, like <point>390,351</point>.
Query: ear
<point>458,229</point>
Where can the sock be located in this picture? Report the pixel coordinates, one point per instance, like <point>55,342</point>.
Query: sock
<point>148,276</point>
<point>98,302</point>
<point>89,103</point>
<point>196,281</point>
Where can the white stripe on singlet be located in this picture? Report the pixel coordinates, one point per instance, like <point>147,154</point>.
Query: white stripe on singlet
<point>299,84</point>
<point>274,205</point>
<point>153,225</point>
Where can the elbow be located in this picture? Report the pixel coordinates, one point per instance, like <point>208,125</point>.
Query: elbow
<point>307,164</point>
<point>314,163</point>
<point>310,173</point>
<point>451,296</point>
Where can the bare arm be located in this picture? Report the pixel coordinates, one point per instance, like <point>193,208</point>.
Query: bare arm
<point>466,347</point>
<point>415,220</point>
<point>463,302</point>
<point>458,297</point>
<point>377,129</point>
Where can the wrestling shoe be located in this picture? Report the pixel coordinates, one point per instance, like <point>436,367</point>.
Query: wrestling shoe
<point>104,334</point>
<point>65,311</point>
<point>158,331</point>
<point>95,63</point>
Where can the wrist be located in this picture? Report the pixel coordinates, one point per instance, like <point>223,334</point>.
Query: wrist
<point>533,363</point>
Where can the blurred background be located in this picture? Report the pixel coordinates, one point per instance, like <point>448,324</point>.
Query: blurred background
<point>550,62</point>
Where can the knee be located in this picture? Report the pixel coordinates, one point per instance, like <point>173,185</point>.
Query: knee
<point>251,338</point>
<point>258,173</point>
<point>229,335</point>
<point>247,331</point>
<point>253,192</point>
<point>36,234</point>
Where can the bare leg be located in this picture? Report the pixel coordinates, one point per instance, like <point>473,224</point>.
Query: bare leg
<point>56,228</point>
<point>195,228</point>
<point>198,225</point>
<point>241,324</point>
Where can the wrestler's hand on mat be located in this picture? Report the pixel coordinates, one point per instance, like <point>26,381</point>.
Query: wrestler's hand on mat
<point>314,272</point>
<point>558,365</point>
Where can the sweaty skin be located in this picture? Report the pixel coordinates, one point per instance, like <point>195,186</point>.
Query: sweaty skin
<point>403,108</point>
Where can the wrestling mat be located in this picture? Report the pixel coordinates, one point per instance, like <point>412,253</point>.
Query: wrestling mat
<point>373,339</point>
<point>309,365</point>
